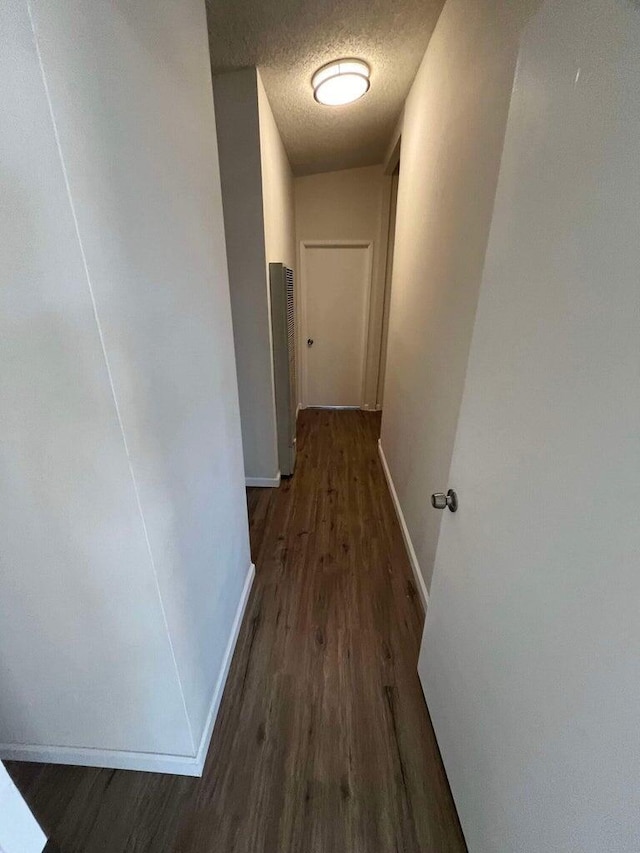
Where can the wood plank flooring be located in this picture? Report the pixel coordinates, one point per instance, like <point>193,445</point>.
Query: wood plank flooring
<point>323,742</point>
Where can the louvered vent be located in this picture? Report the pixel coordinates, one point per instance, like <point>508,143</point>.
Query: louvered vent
<point>284,363</point>
<point>291,341</point>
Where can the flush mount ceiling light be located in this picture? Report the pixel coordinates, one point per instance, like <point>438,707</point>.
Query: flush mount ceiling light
<point>341,82</point>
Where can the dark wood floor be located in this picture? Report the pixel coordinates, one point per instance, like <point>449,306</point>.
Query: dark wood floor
<point>323,742</point>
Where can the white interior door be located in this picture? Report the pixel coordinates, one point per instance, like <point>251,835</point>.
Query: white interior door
<point>530,660</point>
<point>336,282</point>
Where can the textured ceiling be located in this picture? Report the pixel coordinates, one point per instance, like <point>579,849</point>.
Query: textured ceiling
<point>289,39</point>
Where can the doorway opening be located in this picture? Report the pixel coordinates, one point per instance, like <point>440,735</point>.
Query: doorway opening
<point>391,237</point>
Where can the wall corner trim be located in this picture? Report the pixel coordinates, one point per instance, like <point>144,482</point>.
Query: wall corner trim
<point>179,765</point>
<point>417,574</point>
<point>263,482</point>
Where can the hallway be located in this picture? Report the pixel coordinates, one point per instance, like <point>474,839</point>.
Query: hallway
<point>323,743</point>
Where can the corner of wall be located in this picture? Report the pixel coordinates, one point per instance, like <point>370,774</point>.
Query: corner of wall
<point>392,153</point>
<point>277,185</point>
<point>237,98</point>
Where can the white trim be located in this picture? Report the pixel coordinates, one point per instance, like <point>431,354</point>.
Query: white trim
<point>262,482</point>
<point>153,762</point>
<point>417,574</point>
<point>302,318</point>
<point>224,672</point>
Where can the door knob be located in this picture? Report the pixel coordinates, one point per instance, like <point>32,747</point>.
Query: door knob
<point>441,501</point>
<point>309,342</point>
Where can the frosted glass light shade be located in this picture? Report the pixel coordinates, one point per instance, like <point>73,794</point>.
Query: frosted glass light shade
<point>341,82</point>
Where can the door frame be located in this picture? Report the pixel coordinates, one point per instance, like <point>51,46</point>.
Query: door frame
<point>302,313</point>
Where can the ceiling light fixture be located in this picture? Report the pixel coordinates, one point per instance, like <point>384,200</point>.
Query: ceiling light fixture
<point>341,82</point>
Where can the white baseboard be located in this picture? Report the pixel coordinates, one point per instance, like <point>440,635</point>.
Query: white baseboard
<point>180,765</point>
<point>205,740</point>
<point>417,574</point>
<point>262,482</point>
<point>117,759</point>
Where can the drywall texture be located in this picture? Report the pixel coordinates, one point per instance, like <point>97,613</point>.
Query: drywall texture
<point>124,540</point>
<point>237,118</point>
<point>351,205</point>
<point>290,41</point>
<point>452,135</point>
<point>530,654</point>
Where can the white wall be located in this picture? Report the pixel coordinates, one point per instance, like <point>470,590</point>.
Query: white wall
<point>351,205</point>
<point>278,205</point>
<point>236,99</point>
<point>277,188</point>
<point>125,533</point>
<point>257,187</point>
<point>452,136</point>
